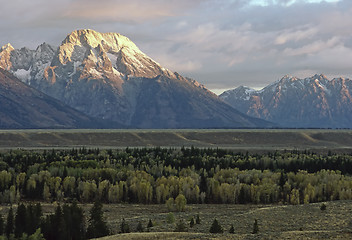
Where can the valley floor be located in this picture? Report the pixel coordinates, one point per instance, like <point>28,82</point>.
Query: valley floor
<point>237,139</point>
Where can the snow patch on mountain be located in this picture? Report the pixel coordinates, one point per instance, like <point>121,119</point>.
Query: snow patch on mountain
<point>76,64</point>
<point>23,75</point>
<point>113,59</point>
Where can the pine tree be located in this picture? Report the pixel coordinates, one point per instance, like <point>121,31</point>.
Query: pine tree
<point>33,218</point>
<point>216,227</point>
<point>20,220</point>
<point>29,219</point>
<point>38,214</point>
<point>140,227</point>
<point>197,219</point>
<point>97,226</point>
<point>48,227</point>
<point>232,229</point>
<point>255,227</point>
<point>9,223</point>
<point>323,207</point>
<point>150,224</point>
<point>58,224</point>
<point>67,216</point>
<point>125,228</point>
<point>2,225</point>
<point>191,224</point>
<point>78,225</point>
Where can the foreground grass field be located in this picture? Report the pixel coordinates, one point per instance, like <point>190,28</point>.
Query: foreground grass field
<point>245,139</point>
<point>306,221</point>
<point>275,221</point>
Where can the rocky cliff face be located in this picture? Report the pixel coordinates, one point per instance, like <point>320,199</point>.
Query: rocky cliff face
<point>313,102</point>
<point>25,107</point>
<point>26,64</point>
<point>106,76</point>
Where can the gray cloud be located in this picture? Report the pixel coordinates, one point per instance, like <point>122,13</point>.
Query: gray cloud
<point>221,43</point>
<point>126,11</point>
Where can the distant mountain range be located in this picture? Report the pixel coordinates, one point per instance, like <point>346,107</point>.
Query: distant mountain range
<point>105,76</point>
<point>314,102</point>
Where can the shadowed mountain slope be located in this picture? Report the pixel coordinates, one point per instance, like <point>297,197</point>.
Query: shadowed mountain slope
<point>25,107</point>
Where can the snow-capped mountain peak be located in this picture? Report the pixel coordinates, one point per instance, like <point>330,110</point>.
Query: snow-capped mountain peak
<point>125,57</point>
<point>314,101</point>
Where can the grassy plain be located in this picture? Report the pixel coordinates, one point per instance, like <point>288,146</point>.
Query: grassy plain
<point>275,221</point>
<point>243,139</point>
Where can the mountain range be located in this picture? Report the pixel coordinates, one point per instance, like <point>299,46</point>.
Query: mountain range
<point>107,77</point>
<point>99,80</point>
<point>313,102</point>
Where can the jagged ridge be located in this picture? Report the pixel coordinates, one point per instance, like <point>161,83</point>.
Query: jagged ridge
<point>314,102</point>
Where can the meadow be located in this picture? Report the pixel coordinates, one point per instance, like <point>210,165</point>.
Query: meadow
<point>306,221</point>
<point>237,139</point>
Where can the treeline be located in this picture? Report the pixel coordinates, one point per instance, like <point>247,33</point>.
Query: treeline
<point>67,222</point>
<point>155,175</point>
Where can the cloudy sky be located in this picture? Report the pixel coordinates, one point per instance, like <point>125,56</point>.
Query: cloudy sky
<point>220,43</point>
